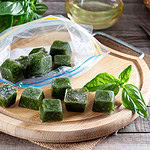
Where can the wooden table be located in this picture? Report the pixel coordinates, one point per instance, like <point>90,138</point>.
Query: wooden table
<point>136,135</point>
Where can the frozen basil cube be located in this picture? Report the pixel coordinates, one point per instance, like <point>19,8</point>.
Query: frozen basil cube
<point>104,101</point>
<point>62,60</point>
<point>40,63</point>
<point>75,100</point>
<point>59,86</point>
<point>51,110</point>
<point>8,95</point>
<point>24,62</point>
<point>11,71</point>
<point>60,48</point>
<point>36,50</point>
<point>31,98</point>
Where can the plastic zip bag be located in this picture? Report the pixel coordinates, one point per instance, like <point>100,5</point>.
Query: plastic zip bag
<point>20,40</point>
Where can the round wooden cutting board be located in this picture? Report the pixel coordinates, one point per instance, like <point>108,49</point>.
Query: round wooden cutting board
<point>75,127</point>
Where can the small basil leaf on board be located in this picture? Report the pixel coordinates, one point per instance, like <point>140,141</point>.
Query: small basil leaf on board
<point>112,87</point>
<point>132,99</point>
<point>99,81</point>
<point>11,8</point>
<point>125,75</point>
<point>41,8</point>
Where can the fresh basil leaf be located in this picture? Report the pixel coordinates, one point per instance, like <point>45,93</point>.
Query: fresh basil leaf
<point>125,75</point>
<point>11,21</point>
<point>41,8</point>
<point>19,12</point>
<point>38,1</point>
<point>2,27</point>
<point>103,81</point>
<point>5,22</point>
<point>21,19</point>
<point>11,8</point>
<point>32,1</point>
<point>132,99</point>
<point>28,16</point>
<point>110,86</point>
<point>36,16</point>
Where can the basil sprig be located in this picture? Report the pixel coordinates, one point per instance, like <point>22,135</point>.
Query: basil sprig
<point>131,96</point>
<point>16,12</point>
<point>103,81</point>
<point>125,75</point>
<point>11,8</point>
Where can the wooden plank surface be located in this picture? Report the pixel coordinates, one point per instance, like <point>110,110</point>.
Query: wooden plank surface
<point>135,135</point>
<point>8,142</point>
<point>125,142</point>
<point>138,126</point>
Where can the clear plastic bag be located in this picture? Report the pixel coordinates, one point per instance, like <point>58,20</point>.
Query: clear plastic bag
<point>20,40</point>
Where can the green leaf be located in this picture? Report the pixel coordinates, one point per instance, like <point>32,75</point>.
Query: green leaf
<point>21,20</point>
<point>41,8</point>
<point>2,27</point>
<point>125,75</point>
<point>103,81</point>
<point>11,21</point>
<point>38,1</point>
<point>5,22</point>
<point>19,12</point>
<point>36,16</point>
<point>11,8</point>
<point>110,86</point>
<point>132,99</point>
<point>28,16</point>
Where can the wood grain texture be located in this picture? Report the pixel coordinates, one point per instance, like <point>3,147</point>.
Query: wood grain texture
<point>126,29</point>
<point>125,142</point>
<point>83,126</point>
<point>8,142</point>
<point>138,126</point>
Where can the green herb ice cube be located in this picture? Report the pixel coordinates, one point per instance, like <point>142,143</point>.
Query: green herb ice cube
<point>62,60</point>
<point>59,86</point>
<point>24,62</point>
<point>11,71</point>
<point>60,48</point>
<point>8,95</point>
<point>31,98</point>
<point>36,50</point>
<point>40,63</point>
<point>51,110</point>
<point>104,101</point>
<point>75,100</point>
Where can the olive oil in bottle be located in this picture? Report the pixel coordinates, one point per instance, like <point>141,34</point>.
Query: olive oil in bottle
<point>101,14</point>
